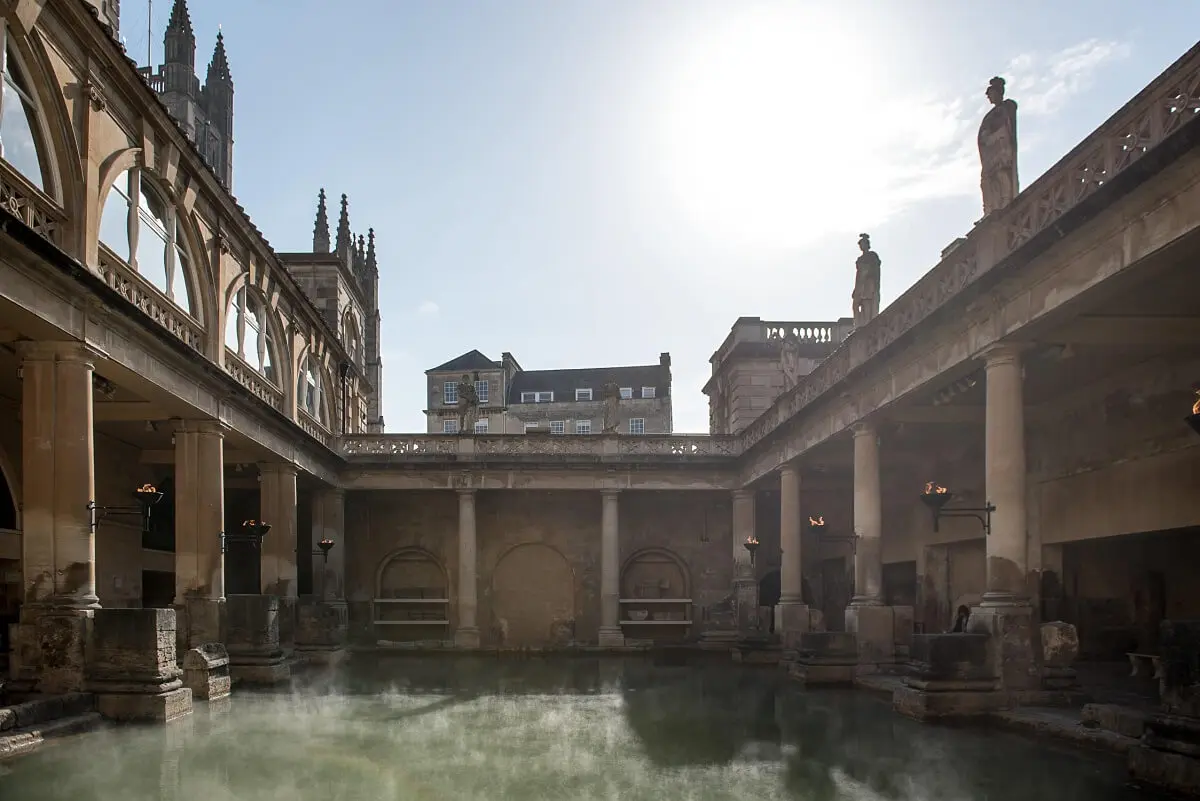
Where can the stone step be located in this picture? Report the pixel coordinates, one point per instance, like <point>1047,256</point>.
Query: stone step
<point>15,742</point>
<point>41,709</point>
<point>1123,720</point>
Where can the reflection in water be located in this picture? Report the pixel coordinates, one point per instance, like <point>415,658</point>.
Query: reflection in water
<point>462,729</point>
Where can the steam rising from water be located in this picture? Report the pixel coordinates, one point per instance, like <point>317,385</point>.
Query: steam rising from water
<point>529,731</point>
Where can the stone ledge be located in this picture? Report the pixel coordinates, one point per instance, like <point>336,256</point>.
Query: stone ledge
<point>15,742</point>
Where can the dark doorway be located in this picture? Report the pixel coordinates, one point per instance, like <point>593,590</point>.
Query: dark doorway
<point>768,595</point>
<point>836,592</point>
<point>8,505</point>
<point>158,589</point>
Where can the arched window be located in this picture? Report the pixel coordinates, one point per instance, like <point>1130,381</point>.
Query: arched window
<point>350,338</point>
<point>248,334</point>
<point>139,226</point>
<point>310,394</point>
<point>20,139</point>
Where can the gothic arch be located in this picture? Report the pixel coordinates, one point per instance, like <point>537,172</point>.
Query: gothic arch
<point>422,566</point>
<point>326,412</point>
<point>351,334</point>
<point>54,127</point>
<point>660,567</point>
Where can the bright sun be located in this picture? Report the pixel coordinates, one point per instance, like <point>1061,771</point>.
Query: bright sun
<point>765,127</point>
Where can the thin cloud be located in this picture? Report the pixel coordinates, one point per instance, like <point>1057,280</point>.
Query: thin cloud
<point>428,309</point>
<point>1043,83</point>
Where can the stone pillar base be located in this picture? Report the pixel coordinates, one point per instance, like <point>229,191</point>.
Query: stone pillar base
<point>255,656</point>
<point>745,599</point>
<point>951,678</point>
<point>611,637</point>
<point>132,668</point>
<point>825,658</point>
<point>1011,647</point>
<point>874,630</point>
<point>792,620</point>
<point>321,630</point>
<point>466,637</point>
<point>206,672</point>
<point>49,650</point>
<point>199,621</point>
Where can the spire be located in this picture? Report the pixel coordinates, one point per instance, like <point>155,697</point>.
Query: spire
<point>180,22</point>
<point>218,68</point>
<point>360,255</point>
<point>370,263</point>
<point>345,240</point>
<point>321,229</point>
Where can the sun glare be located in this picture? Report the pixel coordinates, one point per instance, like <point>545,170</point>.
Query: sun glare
<point>768,128</point>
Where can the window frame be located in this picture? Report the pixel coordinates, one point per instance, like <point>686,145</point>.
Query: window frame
<point>16,74</point>
<point>649,393</point>
<point>265,344</point>
<point>481,422</point>
<point>626,393</point>
<point>449,393</point>
<point>449,426</point>
<point>583,394</point>
<point>482,391</point>
<point>642,424</point>
<point>561,426</point>
<point>583,427</point>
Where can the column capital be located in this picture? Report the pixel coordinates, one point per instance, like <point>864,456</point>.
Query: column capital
<point>58,351</point>
<point>213,427</point>
<point>743,494</point>
<point>466,492</point>
<point>337,493</point>
<point>281,468</point>
<point>789,468</point>
<point>1002,353</point>
<point>864,428</point>
<point>610,493</point>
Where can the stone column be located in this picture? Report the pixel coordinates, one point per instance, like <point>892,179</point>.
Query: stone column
<point>199,520</point>
<point>745,582</point>
<point>322,621</point>
<point>610,571</point>
<point>467,633</point>
<point>1004,611</point>
<point>791,615</point>
<point>58,545</point>
<point>277,499</point>
<point>871,622</point>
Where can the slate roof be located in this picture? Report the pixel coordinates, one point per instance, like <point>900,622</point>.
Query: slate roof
<point>563,383</point>
<point>471,360</point>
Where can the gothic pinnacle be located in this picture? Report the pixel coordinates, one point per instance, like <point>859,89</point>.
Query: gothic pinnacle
<point>371,249</point>
<point>321,230</point>
<point>345,240</point>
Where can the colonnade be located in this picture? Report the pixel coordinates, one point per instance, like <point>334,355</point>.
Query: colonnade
<point>60,516</point>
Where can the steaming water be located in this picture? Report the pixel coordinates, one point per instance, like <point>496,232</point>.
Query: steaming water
<point>421,729</point>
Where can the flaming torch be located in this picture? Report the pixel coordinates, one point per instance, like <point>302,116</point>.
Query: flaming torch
<point>751,545</point>
<point>816,522</point>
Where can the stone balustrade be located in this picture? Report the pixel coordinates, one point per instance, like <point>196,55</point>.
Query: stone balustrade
<point>253,380</point>
<point>1162,109</point>
<point>680,448</point>
<point>141,293</point>
<point>30,206</point>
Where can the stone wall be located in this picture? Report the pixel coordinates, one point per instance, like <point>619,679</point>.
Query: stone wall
<point>538,555</point>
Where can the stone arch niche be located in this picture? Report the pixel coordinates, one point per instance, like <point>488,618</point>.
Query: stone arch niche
<point>533,598</point>
<point>412,591</point>
<point>656,595</point>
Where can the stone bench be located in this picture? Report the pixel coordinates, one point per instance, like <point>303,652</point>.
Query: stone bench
<point>1141,663</point>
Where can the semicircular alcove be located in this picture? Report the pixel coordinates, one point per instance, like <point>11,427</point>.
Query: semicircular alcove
<point>412,592</point>
<point>533,597</point>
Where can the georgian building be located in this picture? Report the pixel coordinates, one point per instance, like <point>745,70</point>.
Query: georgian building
<point>513,400</point>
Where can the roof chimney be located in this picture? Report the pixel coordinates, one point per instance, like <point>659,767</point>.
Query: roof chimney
<point>664,359</point>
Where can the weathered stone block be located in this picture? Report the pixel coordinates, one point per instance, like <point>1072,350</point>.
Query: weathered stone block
<point>287,624</point>
<point>199,621</point>
<point>1117,719</point>
<point>206,671</point>
<point>132,668</point>
<point>1060,644</point>
<point>1012,646</point>
<point>874,628</point>
<point>1169,754</point>
<point>255,655</point>
<point>950,675</point>
<point>792,620</point>
<point>49,650</point>
<point>825,658</point>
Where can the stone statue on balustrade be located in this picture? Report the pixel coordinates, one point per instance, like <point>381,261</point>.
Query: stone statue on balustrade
<point>789,360</point>
<point>998,150</point>
<point>612,404</point>
<point>468,405</point>
<point>865,296</point>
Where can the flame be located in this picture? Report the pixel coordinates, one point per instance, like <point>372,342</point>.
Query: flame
<point>933,488</point>
<point>326,540</point>
<point>146,488</point>
<point>249,522</point>
<point>818,521</point>
<point>1196,405</point>
<point>751,540</point>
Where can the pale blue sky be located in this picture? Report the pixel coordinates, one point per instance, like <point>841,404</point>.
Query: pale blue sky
<point>588,183</point>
